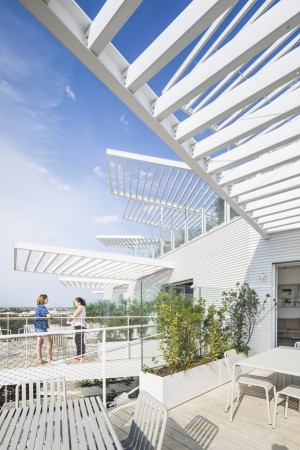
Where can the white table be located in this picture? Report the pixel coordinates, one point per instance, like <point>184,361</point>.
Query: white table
<point>75,424</point>
<point>285,360</point>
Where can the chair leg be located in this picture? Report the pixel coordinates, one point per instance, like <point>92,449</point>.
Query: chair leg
<point>268,406</point>
<point>286,406</point>
<point>275,411</point>
<point>239,393</point>
<point>228,398</point>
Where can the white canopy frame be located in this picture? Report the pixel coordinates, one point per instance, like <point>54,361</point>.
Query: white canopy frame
<point>93,283</point>
<point>243,87</point>
<point>37,258</point>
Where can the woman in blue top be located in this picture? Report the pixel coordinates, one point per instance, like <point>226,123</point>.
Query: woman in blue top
<point>41,326</point>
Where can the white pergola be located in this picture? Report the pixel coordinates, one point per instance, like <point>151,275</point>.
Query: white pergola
<point>36,258</point>
<point>128,241</point>
<point>230,109</point>
<point>93,283</point>
<point>159,191</point>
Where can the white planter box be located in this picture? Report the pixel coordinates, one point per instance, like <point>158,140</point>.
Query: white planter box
<point>180,387</point>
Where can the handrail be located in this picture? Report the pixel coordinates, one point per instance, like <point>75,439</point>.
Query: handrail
<point>72,331</point>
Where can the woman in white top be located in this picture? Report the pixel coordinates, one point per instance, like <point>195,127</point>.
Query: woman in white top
<point>79,323</point>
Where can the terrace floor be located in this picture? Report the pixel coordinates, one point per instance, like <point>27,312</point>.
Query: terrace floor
<point>202,424</point>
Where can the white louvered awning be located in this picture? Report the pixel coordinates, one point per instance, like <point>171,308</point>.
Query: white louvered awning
<point>30,257</point>
<point>160,192</point>
<point>92,283</point>
<point>230,107</point>
<point>128,241</point>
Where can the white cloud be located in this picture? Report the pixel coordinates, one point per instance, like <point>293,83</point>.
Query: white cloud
<point>104,220</point>
<point>70,93</point>
<point>7,90</point>
<point>98,171</point>
<point>56,183</point>
<point>124,121</point>
<point>39,169</point>
<point>51,179</point>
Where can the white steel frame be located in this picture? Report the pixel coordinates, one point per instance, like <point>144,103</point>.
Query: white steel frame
<point>240,90</point>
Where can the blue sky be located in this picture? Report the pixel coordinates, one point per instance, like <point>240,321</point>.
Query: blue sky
<point>56,121</point>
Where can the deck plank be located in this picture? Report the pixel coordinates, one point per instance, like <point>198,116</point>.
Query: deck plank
<point>202,424</point>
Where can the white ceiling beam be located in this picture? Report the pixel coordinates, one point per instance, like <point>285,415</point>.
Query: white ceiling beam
<point>244,72</point>
<point>107,23</point>
<point>284,228</point>
<point>198,47</point>
<point>260,144</point>
<point>246,44</point>
<point>280,223</point>
<point>282,173</point>
<point>214,46</point>
<point>279,216</point>
<point>277,188</point>
<point>268,57</point>
<point>265,162</point>
<point>288,206</point>
<point>287,105</point>
<point>181,32</point>
<point>273,200</point>
<point>265,80</point>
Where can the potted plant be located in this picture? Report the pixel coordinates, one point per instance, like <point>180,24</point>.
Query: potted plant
<point>193,339</point>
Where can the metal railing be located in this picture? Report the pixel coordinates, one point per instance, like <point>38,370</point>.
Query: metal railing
<point>110,351</point>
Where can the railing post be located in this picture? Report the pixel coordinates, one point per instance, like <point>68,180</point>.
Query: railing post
<point>104,368</point>
<point>26,342</point>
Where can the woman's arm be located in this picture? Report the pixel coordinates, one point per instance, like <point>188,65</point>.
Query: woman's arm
<point>77,312</point>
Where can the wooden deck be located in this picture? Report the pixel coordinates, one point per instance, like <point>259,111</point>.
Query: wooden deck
<point>202,424</point>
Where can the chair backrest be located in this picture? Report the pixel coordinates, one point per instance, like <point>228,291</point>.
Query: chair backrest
<point>29,328</point>
<point>231,357</point>
<point>148,424</point>
<point>297,344</point>
<point>30,392</point>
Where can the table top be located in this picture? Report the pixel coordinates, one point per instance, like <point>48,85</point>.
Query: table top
<point>75,424</point>
<point>280,359</point>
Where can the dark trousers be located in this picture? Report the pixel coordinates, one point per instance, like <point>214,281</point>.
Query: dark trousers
<point>79,341</point>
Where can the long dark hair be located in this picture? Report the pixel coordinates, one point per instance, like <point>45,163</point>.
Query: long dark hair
<point>80,300</point>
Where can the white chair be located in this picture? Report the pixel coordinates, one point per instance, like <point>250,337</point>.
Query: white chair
<point>231,357</point>
<point>148,424</point>
<point>297,344</point>
<point>30,392</point>
<point>6,331</point>
<point>290,391</point>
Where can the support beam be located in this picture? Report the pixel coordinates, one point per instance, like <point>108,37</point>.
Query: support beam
<point>279,216</point>
<point>288,206</point>
<point>260,144</point>
<point>277,188</point>
<point>108,22</point>
<point>287,105</point>
<point>246,44</point>
<point>266,179</point>
<point>184,29</point>
<point>266,162</point>
<point>264,81</point>
<point>273,200</point>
